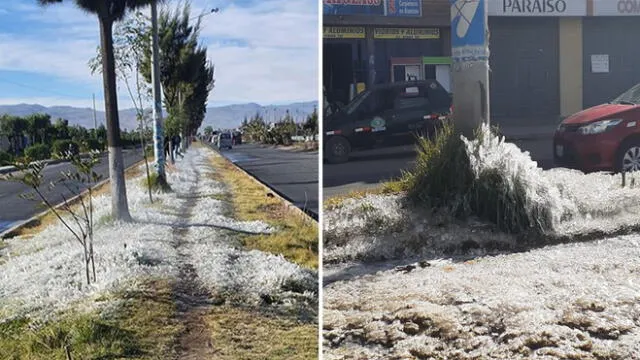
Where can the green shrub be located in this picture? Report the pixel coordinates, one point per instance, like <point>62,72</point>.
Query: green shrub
<point>38,152</point>
<point>92,145</point>
<point>61,147</point>
<point>443,180</point>
<point>5,158</point>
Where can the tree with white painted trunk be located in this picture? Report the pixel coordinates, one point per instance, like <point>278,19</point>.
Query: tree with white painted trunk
<point>109,12</point>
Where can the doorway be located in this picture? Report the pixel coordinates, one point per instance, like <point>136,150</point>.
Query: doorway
<point>337,72</point>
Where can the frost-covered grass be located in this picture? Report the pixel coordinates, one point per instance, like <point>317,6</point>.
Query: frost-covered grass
<point>471,291</point>
<point>564,202</point>
<point>577,301</point>
<point>45,276</point>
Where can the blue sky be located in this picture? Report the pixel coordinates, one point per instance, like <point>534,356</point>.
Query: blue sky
<point>264,52</point>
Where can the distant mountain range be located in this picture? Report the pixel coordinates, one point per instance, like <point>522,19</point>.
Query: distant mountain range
<point>222,117</point>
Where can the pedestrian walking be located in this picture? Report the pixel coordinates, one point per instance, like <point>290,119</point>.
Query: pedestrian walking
<point>176,146</point>
<point>167,150</point>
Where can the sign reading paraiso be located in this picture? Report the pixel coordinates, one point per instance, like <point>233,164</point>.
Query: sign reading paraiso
<point>406,33</point>
<point>538,8</point>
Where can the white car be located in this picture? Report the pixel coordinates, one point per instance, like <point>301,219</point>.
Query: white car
<point>224,141</point>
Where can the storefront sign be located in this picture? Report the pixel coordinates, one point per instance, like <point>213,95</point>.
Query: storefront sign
<point>538,7</point>
<point>343,32</point>
<point>404,8</point>
<point>600,63</point>
<point>616,7</point>
<point>353,7</point>
<point>406,33</point>
<point>400,8</point>
<point>468,30</point>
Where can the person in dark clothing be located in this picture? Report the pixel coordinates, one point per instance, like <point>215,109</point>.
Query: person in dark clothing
<point>176,146</point>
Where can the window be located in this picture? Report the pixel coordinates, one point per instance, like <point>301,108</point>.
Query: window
<point>411,97</point>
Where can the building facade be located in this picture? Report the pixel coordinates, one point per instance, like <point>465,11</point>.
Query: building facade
<point>549,58</point>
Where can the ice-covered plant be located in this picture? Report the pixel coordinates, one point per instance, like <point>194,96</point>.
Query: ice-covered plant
<point>80,224</point>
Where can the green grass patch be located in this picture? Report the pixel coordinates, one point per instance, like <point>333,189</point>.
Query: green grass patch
<point>140,328</point>
<point>156,183</point>
<point>245,334</point>
<point>297,235</point>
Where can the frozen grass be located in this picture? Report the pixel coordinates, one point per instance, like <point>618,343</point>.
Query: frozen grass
<point>452,297</point>
<point>44,273</point>
<point>578,301</point>
<point>564,202</point>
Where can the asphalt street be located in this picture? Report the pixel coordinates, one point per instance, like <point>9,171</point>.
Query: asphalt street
<point>293,175</point>
<point>14,209</point>
<point>367,169</point>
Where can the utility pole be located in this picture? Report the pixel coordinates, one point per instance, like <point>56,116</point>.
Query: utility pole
<point>158,132</point>
<point>470,55</point>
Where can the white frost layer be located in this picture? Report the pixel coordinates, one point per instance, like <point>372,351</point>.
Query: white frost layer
<point>566,301</point>
<point>385,226</point>
<point>578,203</point>
<point>44,273</point>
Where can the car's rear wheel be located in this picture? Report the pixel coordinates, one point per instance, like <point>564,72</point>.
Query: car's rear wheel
<point>629,156</point>
<point>338,149</point>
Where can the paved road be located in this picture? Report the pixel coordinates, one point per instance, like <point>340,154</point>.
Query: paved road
<point>367,169</point>
<point>293,175</point>
<point>14,209</point>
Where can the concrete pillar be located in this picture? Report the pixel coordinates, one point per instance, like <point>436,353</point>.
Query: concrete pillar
<point>571,65</point>
<point>470,73</point>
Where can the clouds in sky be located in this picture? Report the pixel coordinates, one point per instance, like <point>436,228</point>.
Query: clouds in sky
<point>264,51</point>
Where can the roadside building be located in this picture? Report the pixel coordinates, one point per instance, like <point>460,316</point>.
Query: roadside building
<point>549,58</point>
<point>378,41</point>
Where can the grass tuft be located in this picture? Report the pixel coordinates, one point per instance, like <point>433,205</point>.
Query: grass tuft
<point>156,183</point>
<point>443,180</point>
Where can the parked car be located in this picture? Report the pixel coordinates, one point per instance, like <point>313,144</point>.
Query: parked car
<point>385,115</point>
<point>225,141</point>
<point>602,138</point>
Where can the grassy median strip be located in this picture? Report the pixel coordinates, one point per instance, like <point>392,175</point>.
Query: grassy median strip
<point>297,238</point>
<point>141,327</point>
<point>248,334</point>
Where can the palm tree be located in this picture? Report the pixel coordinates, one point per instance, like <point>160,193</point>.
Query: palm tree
<point>108,12</point>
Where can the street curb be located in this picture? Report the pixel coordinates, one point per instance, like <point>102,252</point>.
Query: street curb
<point>304,213</point>
<point>14,229</point>
<point>528,137</point>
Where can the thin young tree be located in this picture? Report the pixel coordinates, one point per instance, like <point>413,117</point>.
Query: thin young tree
<point>108,12</point>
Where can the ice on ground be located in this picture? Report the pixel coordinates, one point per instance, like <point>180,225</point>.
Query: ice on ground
<point>44,273</point>
<point>382,226</point>
<point>447,295</point>
<point>577,301</point>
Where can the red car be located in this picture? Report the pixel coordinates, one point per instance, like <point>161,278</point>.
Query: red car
<point>602,138</point>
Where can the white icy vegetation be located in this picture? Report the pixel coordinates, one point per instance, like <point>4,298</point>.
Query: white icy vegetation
<point>43,274</point>
<point>467,293</point>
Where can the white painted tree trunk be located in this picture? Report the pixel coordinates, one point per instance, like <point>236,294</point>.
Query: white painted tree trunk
<point>119,204</point>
